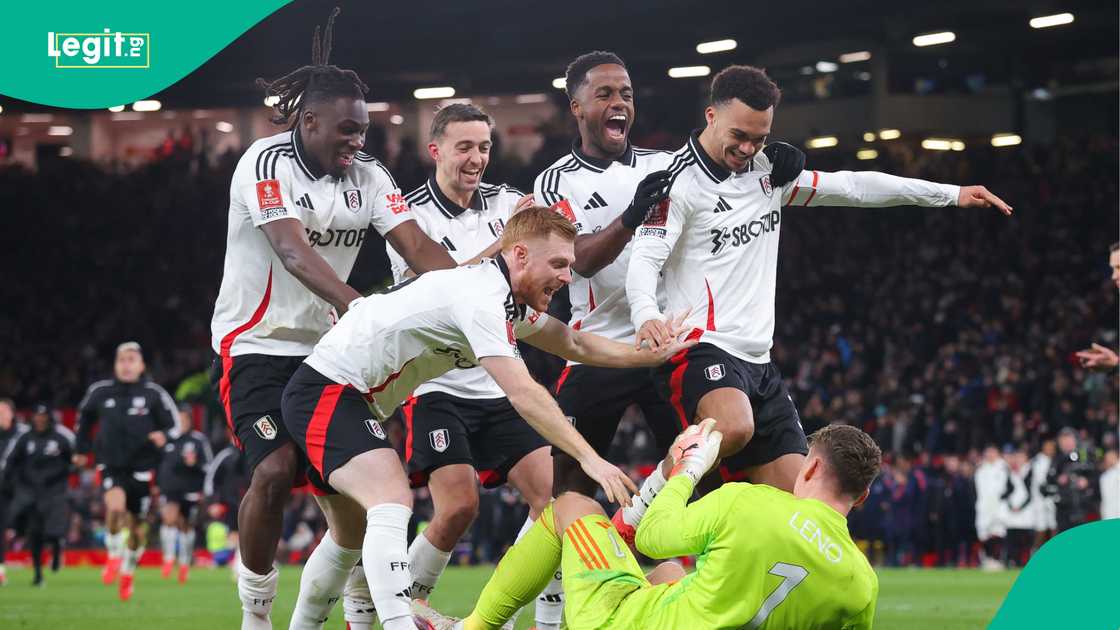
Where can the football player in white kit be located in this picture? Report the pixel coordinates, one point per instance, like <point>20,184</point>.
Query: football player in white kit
<point>715,241</point>
<point>387,345</point>
<point>461,429</point>
<point>301,203</point>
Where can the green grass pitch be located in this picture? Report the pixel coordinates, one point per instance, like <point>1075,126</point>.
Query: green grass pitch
<point>75,599</point>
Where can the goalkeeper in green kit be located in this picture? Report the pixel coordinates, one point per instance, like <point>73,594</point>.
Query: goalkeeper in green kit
<point>765,558</point>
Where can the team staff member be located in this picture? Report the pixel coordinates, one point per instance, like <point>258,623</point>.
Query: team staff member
<point>9,431</point>
<point>37,468</point>
<point>301,203</point>
<point>134,417</point>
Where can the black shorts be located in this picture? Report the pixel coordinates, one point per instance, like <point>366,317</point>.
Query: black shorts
<point>249,387</point>
<point>187,501</point>
<point>330,423</point>
<point>485,433</point>
<point>702,368</point>
<point>594,399</point>
<point>137,486</point>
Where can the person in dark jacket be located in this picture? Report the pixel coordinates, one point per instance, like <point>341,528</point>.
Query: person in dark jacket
<point>134,417</point>
<point>1072,481</point>
<point>37,468</point>
<point>181,477</point>
<point>9,431</point>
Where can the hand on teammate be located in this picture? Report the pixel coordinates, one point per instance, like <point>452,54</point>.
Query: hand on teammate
<point>656,334</point>
<point>159,438</point>
<point>651,191</point>
<point>696,450</point>
<point>981,197</point>
<point>616,484</point>
<point>1098,358</point>
<point>786,162</point>
<point>525,202</point>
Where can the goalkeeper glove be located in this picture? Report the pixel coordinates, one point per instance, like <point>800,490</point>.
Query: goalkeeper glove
<point>786,162</point>
<point>696,450</point>
<point>651,191</point>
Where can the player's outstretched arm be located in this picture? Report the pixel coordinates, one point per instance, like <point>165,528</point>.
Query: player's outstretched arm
<point>671,527</point>
<point>870,189</point>
<point>539,409</point>
<point>289,241</point>
<point>591,349</point>
<point>418,249</point>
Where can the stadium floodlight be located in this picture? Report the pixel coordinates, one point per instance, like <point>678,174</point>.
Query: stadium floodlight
<point>36,118</point>
<point>867,154</point>
<point>146,106</point>
<point>66,151</point>
<point>271,100</point>
<point>1,109</point>
<point>444,91</point>
<point>889,134</point>
<point>1047,21</point>
<point>720,45</point>
<point>396,119</point>
<point>560,83</point>
<point>526,99</point>
<point>937,144</point>
<point>933,39</point>
<point>685,72</point>
<point>59,130</point>
<point>956,145</point>
<point>852,57</point>
<point>377,107</point>
<point>1006,140</point>
<point>224,126</point>
<point>868,136</point>
<point>826,66</point>
<point>116,108</point>
<point>822,142</point>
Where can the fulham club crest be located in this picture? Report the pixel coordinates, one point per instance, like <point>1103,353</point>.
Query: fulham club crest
<point>714,372</point>
<point>374,427</point>
<point>439,439</point>
<point>767,187</point>
<point>353,199</point>
<point>265,428</point>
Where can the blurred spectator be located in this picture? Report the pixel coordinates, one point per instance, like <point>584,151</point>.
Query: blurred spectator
<point>1110,486</point>
<point>1071,482</point>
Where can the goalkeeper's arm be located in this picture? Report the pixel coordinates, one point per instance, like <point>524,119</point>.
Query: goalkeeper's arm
<point>670,527</point>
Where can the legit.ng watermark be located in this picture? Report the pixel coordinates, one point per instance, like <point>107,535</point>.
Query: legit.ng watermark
<point>100,50</point>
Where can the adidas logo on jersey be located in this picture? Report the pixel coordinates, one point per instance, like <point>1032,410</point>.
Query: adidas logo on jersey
<point>596,201</point>
<point>722,206</point>
<point>305,202</point>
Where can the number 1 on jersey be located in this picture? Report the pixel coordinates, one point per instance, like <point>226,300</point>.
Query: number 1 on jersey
<point>792,576</point>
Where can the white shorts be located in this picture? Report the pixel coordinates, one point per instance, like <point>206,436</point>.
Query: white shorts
<point>989,526</point>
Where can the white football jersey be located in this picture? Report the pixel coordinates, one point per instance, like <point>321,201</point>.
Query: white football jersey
<point>465,232</point>
<point>716,242</point>
<point>592,193</point>
<point>390,343</point>
<point>261,308</point>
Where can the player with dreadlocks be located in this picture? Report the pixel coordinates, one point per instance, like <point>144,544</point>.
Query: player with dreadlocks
<point>301,203</point>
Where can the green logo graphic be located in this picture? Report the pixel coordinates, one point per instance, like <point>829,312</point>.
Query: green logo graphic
<point>100,50</point>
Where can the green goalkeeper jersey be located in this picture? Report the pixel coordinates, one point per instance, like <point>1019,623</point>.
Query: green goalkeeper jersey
<point>765,559</point>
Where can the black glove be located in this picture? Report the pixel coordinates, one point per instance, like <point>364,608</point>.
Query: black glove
<point>786,161</point>
<point>650,192</point>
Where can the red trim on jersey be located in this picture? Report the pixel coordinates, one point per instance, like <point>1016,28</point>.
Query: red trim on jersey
<point>575,326</point>
<point>816,175</point>
<point>727,475</point>
<point>579,550</point>
<point>676,380</point>
<point>224,385</point>
<point>563,377</point>
<point>711,307</point>
<point>489,478</point>
<point>586,547</point>
<point>316,436</point>
<point>407,410</point>
<point>590,298</point>
<point>392,377</point>
<point>594,545</point>
<point>796,187</point>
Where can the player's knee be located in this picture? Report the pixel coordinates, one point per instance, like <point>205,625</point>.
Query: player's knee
<point>736,434</point>
<point>460,514</point>
<point>272,479</point>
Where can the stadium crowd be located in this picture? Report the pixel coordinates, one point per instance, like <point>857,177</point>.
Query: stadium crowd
<point>939,333</point>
